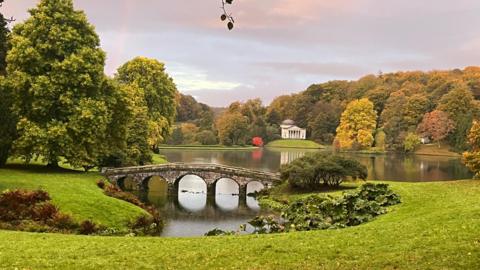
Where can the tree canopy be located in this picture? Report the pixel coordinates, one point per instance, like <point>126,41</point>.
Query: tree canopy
<point>158,91</point>
<point>56,68</point>
<point>357,125</point>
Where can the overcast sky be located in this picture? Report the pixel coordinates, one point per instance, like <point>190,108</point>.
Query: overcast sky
<point>281,46</point>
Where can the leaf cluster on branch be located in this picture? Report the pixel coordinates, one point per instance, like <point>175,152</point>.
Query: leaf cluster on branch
<point>226,17</point>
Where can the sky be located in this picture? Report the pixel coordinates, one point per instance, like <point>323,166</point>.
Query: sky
<point>280,46</point>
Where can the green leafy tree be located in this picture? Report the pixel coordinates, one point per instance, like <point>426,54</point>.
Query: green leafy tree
<point>56,68</point>
<point>412,141</point>
<point>232,128</point>
<point>206,137</point>
<point>177,136</point>
<point>324,120</point>
<point>472,158</point>
<point>357,124</point>
<point>7,119</point>
<point>4,32</point>
<point>159,93</point>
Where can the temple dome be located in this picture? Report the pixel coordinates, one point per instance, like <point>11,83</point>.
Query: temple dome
<point>288,122</point>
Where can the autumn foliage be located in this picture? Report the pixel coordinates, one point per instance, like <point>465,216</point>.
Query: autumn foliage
<point>257,141</point>
<point>472,158</point>
<point>436,125</point>
<point>357,125</point>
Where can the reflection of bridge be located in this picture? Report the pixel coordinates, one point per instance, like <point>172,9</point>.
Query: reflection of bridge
<point>172,173</point>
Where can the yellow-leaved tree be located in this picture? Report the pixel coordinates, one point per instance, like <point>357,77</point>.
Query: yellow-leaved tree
<point>472,158</point>
<point>357,125</point>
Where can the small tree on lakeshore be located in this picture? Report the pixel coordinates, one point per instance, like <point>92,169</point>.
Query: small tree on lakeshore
<point>472,158</point>
<point>313,171</point>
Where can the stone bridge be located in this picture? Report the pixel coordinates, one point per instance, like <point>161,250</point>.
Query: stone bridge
<point>172,173</point>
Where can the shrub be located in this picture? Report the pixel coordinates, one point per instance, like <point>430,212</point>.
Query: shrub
<point>314,170</point>
<point>318,212</point>
<point>44,212</point>
<point>147,225</point>
<point>115,192</point>
<point>87,227</point>
<point>101,184</point>
<point>32,211</point>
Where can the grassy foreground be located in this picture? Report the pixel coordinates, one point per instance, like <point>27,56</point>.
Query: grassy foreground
<point>75,193</point>
<point>436,227</point>
<point>305,144</point>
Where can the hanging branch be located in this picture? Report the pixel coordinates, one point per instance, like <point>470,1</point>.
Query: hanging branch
<point>225,16</point>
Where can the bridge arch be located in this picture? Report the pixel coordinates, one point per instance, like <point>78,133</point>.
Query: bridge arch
<point>197,179</point>
<point>255,186</point>
<point>223,182</point>
<point>127,183</point>
<point>156,183</point>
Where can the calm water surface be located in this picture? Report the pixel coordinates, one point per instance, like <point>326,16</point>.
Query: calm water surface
<point>191,213</point>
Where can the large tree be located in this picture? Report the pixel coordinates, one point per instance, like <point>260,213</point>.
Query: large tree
<point>357,124</point>
<point>7,119</point>
<point>158,91</point>
<point>436,125</point>
<point>56,68</point>
<point>4,31</point>
<point>460,106</point>
<point>232,128</point>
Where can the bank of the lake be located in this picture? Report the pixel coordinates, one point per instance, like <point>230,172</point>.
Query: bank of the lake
<point>435,227</point>
<point>74,192</point>
<point>299,144</point>
<point>207,147</point>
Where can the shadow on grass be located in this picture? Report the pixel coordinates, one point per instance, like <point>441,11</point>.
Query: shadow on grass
<point>38,168</point>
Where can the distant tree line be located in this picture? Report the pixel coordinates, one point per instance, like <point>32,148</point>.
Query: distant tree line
<point>438,105</point>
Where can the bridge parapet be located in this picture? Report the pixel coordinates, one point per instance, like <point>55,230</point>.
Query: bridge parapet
<point>173,172</point>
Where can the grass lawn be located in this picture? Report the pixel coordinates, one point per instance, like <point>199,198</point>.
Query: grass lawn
<point>207,147</point>
<point>434,150</point>
<point>305,144</point>
<point>74,192</point>
<point>436,227</point>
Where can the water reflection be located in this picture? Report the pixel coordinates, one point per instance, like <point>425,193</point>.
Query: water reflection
<point>394,167</point>
<point>192,213</point>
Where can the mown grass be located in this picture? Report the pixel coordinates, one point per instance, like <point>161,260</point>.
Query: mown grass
<point>304,144</point>
<point>74,192</point>
<point>436,227</point>
<point>434,150</point>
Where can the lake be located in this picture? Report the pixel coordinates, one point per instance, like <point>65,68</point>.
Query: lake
<point>191,213</point>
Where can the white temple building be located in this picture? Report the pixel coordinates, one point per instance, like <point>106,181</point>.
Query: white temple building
<point>291,131</point>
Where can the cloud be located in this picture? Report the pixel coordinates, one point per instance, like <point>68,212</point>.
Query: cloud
<point>281,46</point>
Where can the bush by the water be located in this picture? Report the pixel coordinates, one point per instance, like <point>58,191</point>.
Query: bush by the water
<point>318,212</point>
<point>313,171</point>
<point>143,225</point>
